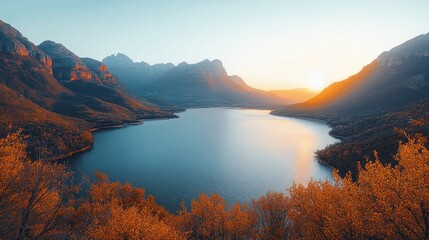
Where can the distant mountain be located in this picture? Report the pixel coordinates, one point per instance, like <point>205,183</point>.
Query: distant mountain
<point>206,84</point>
<point>296,95</point>
<point>53,93</point>
<point>135,74</point>
<point>396,78</point>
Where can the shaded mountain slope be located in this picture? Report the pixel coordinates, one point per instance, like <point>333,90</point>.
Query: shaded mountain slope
<point>65,108</point>
<point>372,109</point>
<point>62,135</point>
<point>396,78</point>
<point>100,90</point>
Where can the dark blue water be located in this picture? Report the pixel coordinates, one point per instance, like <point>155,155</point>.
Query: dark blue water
<point>238,153</point>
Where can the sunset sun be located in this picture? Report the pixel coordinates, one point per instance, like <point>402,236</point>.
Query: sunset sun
<point>316,81</point>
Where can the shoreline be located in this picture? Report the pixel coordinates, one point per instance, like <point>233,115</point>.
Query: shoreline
<point>69,154</point>
<point>141,121</point>
<point>122,125</point>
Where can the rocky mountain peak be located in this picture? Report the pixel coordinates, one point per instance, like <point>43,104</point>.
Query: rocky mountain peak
<point>65,64</point>
<point>100,72</point>
<point>119,59</point>
<point>213,67</point>
<point>416,47</point>
<point>12,42</point>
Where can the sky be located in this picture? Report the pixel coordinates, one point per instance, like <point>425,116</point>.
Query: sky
<point>271,44</point>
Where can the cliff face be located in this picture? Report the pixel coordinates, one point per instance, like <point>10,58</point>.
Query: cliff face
<point>56,95</point>
<point>66,65</point>
<point>12,41</point>
<point>100,73</point>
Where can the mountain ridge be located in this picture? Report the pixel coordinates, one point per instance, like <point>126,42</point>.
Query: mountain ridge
<point>57,98</point>
<point>202,84</point>
<point>394,79</point>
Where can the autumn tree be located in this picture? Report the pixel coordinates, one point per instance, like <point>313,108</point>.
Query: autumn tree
<point>397,198</point>
<point>208,217</point>
<point>240,222</point>
<point>35,195</point>
<point>384,203</point>
<point>270,212</point>
<point>121,211</point>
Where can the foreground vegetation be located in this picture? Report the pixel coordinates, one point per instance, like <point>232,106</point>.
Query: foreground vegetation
<point>38,201</point>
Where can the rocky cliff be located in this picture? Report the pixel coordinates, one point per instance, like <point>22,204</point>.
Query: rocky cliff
<point>66,65</point>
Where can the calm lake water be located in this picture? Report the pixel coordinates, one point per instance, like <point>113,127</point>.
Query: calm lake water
<point>238,153</point>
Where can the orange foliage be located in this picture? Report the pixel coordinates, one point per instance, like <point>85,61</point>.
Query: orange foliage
<point>385,202</point>
<point>120,211</point>
<point>34,195</point>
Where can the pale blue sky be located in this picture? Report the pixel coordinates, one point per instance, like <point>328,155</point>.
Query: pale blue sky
<point>271,44</point>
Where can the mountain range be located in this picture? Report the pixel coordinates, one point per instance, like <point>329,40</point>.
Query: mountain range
<point>135,74</point>
<point>46,90</point>
<point>56,97</point>
<point>203,84</point>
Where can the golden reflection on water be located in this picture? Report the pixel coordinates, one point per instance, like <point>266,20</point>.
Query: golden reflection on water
<point>303,168</point>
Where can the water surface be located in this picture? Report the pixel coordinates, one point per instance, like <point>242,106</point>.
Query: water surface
<point>238,153</point>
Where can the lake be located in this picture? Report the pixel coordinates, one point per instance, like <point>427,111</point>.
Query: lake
<point>238,153</point>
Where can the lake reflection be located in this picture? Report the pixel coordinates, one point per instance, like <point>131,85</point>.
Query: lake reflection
<point>238,153</point>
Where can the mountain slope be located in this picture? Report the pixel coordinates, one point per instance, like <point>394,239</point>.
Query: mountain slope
<point>206,84</point>
<point>62,110</point>
<point>99,88</point>
<point>396,78</point>
<point>374,109</point>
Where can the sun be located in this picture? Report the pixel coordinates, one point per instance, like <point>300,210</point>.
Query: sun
<point>316,85</point>
<point>316,81</point>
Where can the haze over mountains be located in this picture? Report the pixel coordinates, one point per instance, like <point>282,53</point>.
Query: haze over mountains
<point>396,78</point>
<point>296,95</point>
<point>48,90</point>
<point>135,74</point>
<point>203,84</point>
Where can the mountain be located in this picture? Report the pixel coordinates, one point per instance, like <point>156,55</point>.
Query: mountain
<point>396,78</point>
<point>296,95</point>
<point>374,109</point>
<point>204,84</point>
<point>135,74</point>
<point>207,84</point>
<point>52,94</point>
<point>96,82</point>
